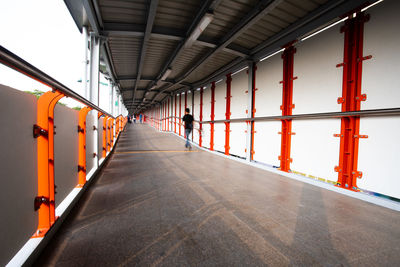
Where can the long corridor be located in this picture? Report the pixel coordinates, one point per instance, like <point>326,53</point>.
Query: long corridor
<point>155,203</point>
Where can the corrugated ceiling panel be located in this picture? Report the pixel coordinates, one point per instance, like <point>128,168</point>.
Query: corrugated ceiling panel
<point>127,84</point>
<point>214,63</point>
<point>284,15</point>
<point>227,15</point>
<point>134,12</point>
<point>188,58</point>
<point>124,53</point>
<point>177,14</point>
<point>157,54</point>
<point>143,84</point>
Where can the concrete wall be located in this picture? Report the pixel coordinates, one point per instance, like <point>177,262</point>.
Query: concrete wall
<point>18,172</point>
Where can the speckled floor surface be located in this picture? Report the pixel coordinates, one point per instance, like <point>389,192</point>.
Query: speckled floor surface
<point>155,204</point>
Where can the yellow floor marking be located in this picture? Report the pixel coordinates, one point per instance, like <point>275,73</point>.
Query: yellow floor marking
<point>156,151</point>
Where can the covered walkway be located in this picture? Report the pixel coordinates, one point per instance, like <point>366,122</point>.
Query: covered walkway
<point>155,203</point>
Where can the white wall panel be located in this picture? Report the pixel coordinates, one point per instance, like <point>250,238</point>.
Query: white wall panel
<point>206,135</point>
<point>220,103</point>
<point>381,80</point>
<point>379,155</point>
<point>267,142</point>
<point>319,82</point>
<point>207,103</point>
<point>239,96</point>
<point>269,94</point>
<point>237,140</point>
<point>206,116</point>
<point>315,151</point>
<point>196,116</point>
<point>219,137</point>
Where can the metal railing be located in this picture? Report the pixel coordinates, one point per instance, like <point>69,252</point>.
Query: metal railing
<point>13,61</point>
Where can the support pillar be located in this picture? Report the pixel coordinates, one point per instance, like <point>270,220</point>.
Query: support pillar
<point>287,106</point>
<point>228,112</point>
<point>201,117</point>
<point>251,110</point>
<point>175,115</point>
<point>168,115</point>
<point>192,112</point>
<point>95,43</point>
<point>351,101</point>
<point>180,114</point>
<point>212,116</point>
<point>184,135</point>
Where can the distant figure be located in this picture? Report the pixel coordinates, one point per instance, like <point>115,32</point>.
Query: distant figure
<point>140,118</point>
<point>129,119</point>
<point>188,119</point>
<point>134,119</point>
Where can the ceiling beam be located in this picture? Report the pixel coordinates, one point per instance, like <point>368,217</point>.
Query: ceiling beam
<point>207,7</point>
<point>135,30</point>
<point>149,25</point>
<point>258,12</point>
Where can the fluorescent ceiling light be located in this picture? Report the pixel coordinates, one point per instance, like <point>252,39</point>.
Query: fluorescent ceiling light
<point>324,29</point>
<point>365,8</point>
<point>166,73</point>
<point>207,18</point>
<point>273,54</point>
<point>198,89</point>
<point>236,72</point>
<point>219,81</point>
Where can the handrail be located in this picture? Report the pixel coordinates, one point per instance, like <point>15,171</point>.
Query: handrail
<point>311,116</point>
<point>13,61</point>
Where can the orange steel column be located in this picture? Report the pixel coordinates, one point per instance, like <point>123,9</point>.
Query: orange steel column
<point>351,101</point>
<point>228,112</point>
<point>287,106</point>
<point>108,135</point>
<point>112,132</point>
<point>180,114</point>
<point>168,115</point>
<point>82,146</point>
<point>44,132</point>
<point>212,116</point>
<point>104,150</point>
<point>253,109</point>
<point>184,132</point>
<point>175,115</point>
<point>201,117</point>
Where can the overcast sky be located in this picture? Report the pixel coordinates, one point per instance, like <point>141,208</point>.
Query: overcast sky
<point>43,33</point>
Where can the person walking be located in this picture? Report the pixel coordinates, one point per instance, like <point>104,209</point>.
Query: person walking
<point>188,119</point>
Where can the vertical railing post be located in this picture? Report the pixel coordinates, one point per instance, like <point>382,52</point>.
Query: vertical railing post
<point>44,132</point>
<point>82,146</point>
<point>212,116</point>
<point>228,112</point>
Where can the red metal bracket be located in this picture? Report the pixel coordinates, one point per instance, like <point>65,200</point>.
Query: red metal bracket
<point>340,100</point>
<point>364,58</point>
<point>362,97</point>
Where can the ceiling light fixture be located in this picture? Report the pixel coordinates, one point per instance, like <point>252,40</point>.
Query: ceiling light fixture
<point>207,18</point>
<point>166,73</point>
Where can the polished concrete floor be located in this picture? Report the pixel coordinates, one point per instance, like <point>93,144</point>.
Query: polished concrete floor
<point>155,203</point>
